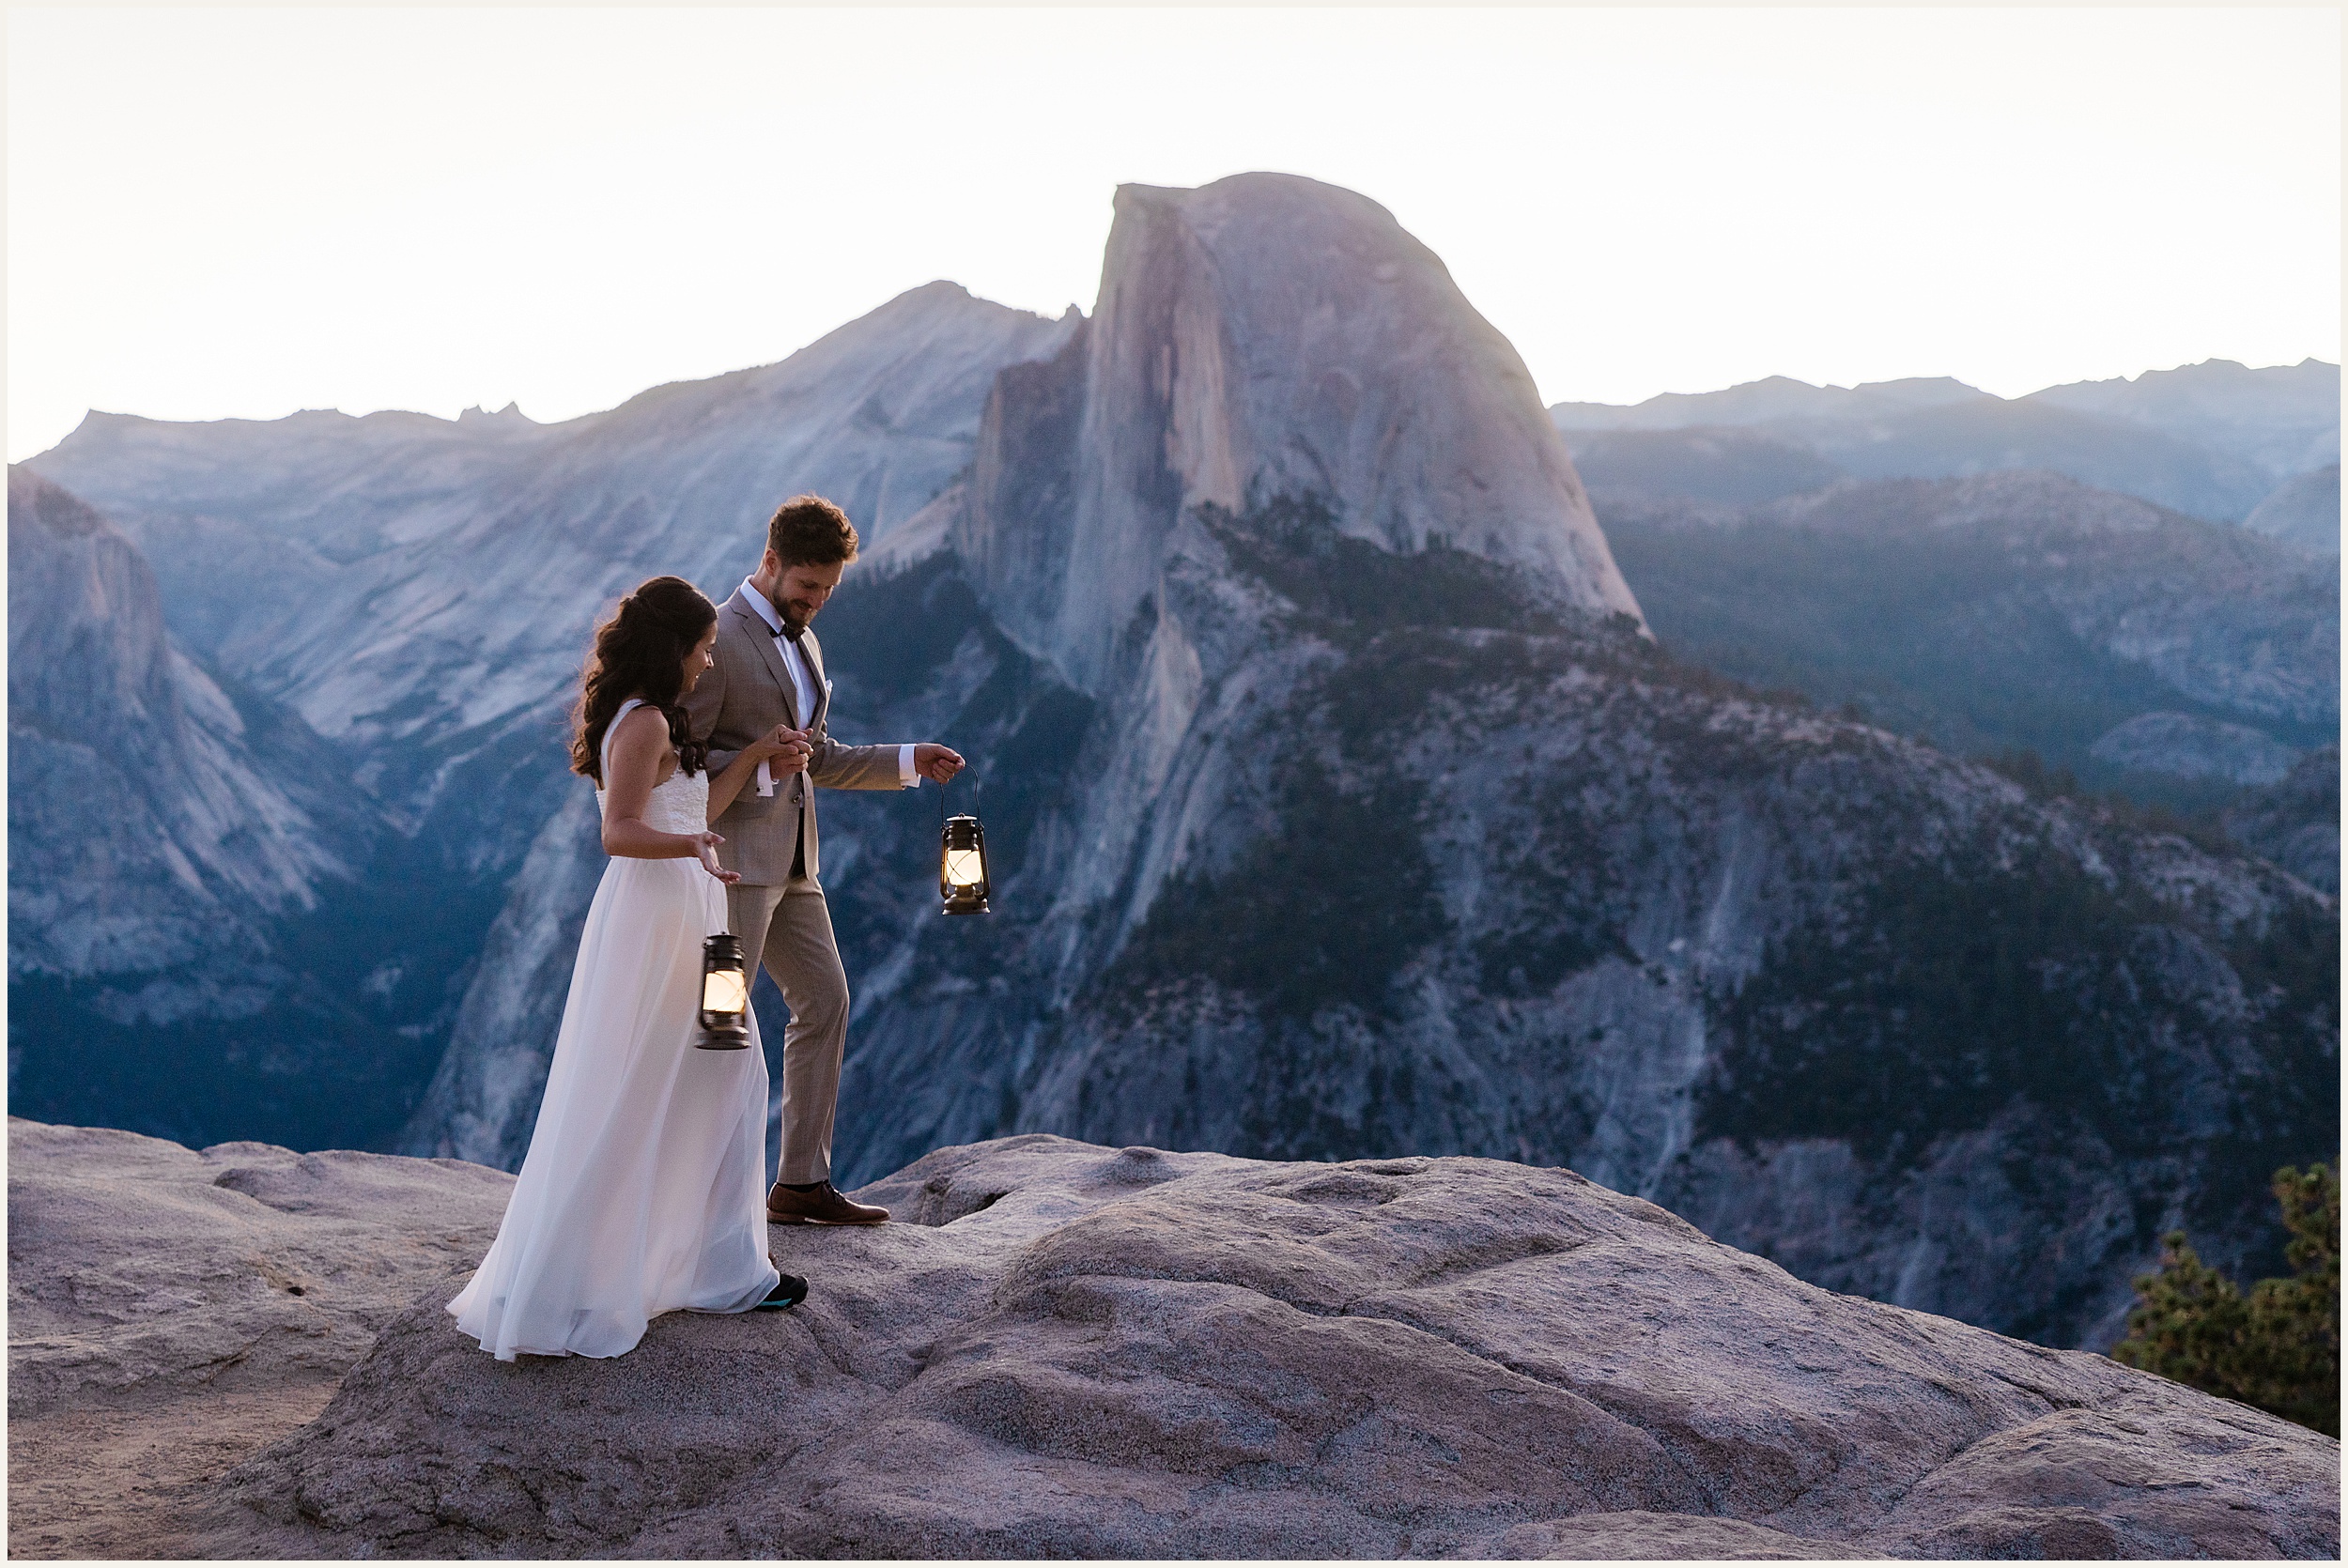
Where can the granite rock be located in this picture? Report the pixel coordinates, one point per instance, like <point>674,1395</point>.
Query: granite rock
<point>1264,335</point>
<point>1069,1350</point>
<point>141,1271</point>
<point>142,830</point>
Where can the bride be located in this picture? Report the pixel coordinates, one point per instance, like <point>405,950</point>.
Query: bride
<point>645,1188</point>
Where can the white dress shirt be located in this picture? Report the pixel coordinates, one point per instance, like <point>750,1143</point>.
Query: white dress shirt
<point>803,687</point>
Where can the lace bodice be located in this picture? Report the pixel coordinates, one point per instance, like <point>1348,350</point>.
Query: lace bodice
<point>679,805</point>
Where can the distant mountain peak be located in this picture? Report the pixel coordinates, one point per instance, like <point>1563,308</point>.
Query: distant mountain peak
<point>1265,336</point>
<point>511,414</point>
<point>1266,192</point>
<point>2210,367</point>
<point>938,288</point>
<point>940,295</point>
<point>2210,438</point>
<point>1771,398</point>
<point>1924,390</point>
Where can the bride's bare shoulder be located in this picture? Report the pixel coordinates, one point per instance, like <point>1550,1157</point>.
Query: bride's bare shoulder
<point>641,732</point>
<point>644,719</point>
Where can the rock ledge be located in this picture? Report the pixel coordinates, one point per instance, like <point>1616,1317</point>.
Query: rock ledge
<point>1080,1351</point>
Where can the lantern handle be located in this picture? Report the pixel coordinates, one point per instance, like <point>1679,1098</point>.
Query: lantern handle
<point>942,787</point>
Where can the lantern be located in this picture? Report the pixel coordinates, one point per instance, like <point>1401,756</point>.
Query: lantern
<point>725,995</point>
<point>962,868</point>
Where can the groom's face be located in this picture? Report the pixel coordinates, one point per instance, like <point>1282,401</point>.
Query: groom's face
<point>802,590</point>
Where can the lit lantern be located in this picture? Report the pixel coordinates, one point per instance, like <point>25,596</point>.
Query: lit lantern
<point>962,868</point>
<point>725,995</point>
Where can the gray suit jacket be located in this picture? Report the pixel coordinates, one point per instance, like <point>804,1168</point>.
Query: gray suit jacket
<point>747,694</point>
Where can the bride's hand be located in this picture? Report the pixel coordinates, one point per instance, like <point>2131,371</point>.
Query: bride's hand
<point>788,750</point>
<point>705,845</point>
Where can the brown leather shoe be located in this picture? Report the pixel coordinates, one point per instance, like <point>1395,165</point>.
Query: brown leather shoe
<point>820,1205</point>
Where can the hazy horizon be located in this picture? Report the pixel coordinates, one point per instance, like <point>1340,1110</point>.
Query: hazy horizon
<point>589,413</point>
<point>239,214</point>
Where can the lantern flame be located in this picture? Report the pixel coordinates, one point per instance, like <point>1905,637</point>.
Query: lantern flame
<point>725,990</point>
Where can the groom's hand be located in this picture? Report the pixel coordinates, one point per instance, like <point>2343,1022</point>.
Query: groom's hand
<point>793,749</point>
<point>935,762</point>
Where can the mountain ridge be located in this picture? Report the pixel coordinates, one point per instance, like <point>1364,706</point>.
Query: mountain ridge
<point>431,704</point>
<point>521,503</point>
<point>2213,439</point>
<point>2004,613</point>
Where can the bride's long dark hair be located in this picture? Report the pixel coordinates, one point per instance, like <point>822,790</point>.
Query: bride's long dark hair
<point>641,653</point>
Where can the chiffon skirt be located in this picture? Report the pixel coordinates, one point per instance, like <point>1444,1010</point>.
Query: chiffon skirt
<point>645,1188</point>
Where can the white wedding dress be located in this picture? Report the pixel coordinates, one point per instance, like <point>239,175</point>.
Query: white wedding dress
<point>645,1188</point>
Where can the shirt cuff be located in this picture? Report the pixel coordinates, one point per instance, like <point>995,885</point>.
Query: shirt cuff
<point>906,778</point>
<point>765,779</point>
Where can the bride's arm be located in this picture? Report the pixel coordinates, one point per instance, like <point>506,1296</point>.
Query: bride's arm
<point>726,784</point>
<point>637,751</point>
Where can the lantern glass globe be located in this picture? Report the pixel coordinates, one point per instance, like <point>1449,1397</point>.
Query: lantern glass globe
<point>725,990</point>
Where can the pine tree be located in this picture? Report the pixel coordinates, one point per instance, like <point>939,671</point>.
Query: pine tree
<point>2276,1348</point>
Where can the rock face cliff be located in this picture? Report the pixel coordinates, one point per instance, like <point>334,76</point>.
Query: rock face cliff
<point>1067,1350</point>
<point>142,1271</point>
<point>141,831</point>
<point>179,863</point>
<point>1262,336</point>
<point>483,1098</point>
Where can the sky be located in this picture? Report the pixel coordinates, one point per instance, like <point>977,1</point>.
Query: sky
<point>241,213</point>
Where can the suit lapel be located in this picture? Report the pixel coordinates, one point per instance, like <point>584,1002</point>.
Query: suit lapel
<point>814,652</point>
<point>755,629</point>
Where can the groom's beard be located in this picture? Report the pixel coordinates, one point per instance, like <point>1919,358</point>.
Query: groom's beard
<point>793,613</point>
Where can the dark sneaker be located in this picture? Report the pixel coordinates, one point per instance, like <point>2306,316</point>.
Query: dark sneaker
<point>788,1292</point>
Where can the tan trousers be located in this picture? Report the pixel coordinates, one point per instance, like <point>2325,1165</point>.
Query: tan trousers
<point>788,928</point>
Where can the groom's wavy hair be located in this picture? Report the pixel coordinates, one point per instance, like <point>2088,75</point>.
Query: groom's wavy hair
<point>808,530</point>
<point>641,653</point>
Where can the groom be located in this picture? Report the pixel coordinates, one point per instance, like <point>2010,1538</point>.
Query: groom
<point>767,679</point>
